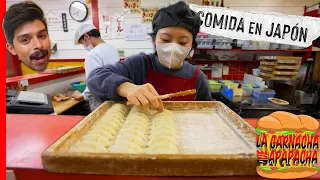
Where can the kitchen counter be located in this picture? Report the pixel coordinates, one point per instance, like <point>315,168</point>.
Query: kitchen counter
<point>60,107</point>
<point>259,108</point>
<point>27,136</point>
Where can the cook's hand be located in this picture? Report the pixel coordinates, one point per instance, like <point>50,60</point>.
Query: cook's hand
<point>141,95</point>
<point>77,95</point>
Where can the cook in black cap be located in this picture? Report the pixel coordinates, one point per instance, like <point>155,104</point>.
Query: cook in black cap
<point>140,78</point>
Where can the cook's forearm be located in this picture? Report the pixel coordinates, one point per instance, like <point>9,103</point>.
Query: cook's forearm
<point>104,83</point>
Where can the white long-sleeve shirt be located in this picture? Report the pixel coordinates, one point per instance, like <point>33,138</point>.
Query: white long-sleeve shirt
<point>101,55</point>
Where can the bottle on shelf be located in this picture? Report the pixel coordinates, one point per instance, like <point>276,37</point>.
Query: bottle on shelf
<point>217,4</point>
<point>212,3</point>
<point>206,2</point>
<point>221,3</point>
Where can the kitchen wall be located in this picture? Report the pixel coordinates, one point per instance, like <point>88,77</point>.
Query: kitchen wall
<point>64,40</point>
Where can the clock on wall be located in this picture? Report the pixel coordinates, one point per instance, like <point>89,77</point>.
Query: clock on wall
<point>78,11</point>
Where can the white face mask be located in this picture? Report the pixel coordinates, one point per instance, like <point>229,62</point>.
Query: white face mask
<point>89,47</point>
<point>172,54</point>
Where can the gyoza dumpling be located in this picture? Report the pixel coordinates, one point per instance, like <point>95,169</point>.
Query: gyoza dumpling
<point>92,145</point>
<point>133,132</point>
<point>138,118</point>
<point>157,139</point>
<point>129,123</point>
<point>116,120</point>
<point>138,114</point>
<point>136,127</point>
<point>96,138</point>
<point>131,138</point>
<point>108,123</point>
<point>101,132</point>
<point>105,128</point>
<point>116,114</point>
<point>120,112</point>
<point>163,132</point>
<point>162,148</point>
<point>164,113</point>
<point>120,106</point>
<point>126,147</point>
<point>139,109</point>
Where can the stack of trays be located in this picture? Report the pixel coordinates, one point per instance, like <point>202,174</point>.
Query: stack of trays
<point>279,67</point>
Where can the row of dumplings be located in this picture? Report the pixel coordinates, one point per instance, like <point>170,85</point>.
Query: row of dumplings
<point>100,136</point>
<point>163,134</point>
<point>132,137</point>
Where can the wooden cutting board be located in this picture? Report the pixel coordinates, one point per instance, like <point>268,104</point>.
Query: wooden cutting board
<point>63,69</point>
<point>60,107</point>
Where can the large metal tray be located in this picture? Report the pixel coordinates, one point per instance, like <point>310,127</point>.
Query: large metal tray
<point>211,162</point>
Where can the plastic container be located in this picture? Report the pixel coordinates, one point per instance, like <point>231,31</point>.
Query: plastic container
<point>284,46</point>
<point>231,85</point>
<point>247,90</point>
<point>223,45</point>
<point>227,57</point>
<point>250,45</point>
<point>225,81</point>
<point>296,47</point>
<point>230,92</point>
<point>264,45</point>
<point>240,43</point>
<point>205,43</point>
<point>255,72</point>
<point>78,86</point>
<point>214,86</point>
<point>250,85</point>
<point>274,46</point>
<point>263,95</point>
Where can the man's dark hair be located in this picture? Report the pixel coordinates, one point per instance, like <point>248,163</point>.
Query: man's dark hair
<point>18,14</point>
<point>92,33</point>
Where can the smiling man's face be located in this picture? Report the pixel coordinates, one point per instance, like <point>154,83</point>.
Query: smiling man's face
<point>32,45</point>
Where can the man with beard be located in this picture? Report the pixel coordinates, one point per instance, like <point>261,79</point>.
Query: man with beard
<point>26,32</point>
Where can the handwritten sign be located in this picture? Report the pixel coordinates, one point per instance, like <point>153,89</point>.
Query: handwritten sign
<point>105,24</point>
<point>133,6</point>
<point>53,21</point>
<point>135,32</point>
<point>148,14</point>
<point>105,18</point>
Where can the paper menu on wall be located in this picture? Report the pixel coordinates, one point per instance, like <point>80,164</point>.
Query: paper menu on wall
<point>106,31</point>
<point>148,14</point>
<point>216,70</point>
<point>54,21</point>
<point>225,70</point>
<point>133,6</point>
<point>105,18</point>
<point>117,26</point>
<point>135,32</point>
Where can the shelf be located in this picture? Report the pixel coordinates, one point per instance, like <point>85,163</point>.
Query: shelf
<point>227,61</point>
<point>206,68</point>
<point>259,50</point>
<point>315,49</point>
